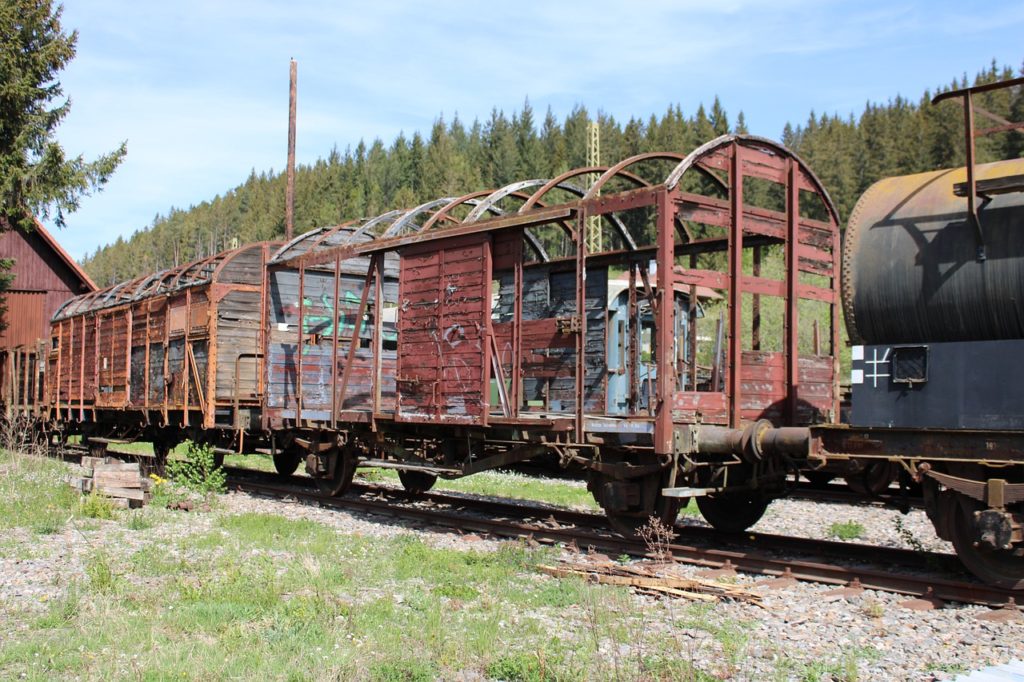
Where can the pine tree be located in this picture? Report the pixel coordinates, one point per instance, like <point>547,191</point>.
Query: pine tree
<point>36,177</point>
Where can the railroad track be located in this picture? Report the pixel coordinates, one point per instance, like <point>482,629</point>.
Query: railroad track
<point>921,574</point>
<point>924,575</point>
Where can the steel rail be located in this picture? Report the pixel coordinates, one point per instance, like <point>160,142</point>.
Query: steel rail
<point>747,561</point>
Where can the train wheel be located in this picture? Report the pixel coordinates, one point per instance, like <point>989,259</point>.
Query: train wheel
<point>874,479</point>
<point>628,522</point>
<point>416,482</point>
<point>341,467</point>
<point>1002,568</point>
<point>287,461</point>
<point>732,513</point>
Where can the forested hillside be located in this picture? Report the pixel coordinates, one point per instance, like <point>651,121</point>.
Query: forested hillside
<point>847,152</point>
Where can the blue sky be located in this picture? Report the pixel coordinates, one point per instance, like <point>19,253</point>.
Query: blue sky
<point>199,89</point>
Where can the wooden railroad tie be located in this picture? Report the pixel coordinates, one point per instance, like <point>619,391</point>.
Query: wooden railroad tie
<point>122,482</point>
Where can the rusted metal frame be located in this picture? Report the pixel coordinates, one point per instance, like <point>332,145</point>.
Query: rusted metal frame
<point>334,342</point>
<point>128,358</point>
<point>559,180</point>
<point>298,346</point>
<point>977,446</point>
<point>692,330</point>
<point>734,370</point>
<point>186,366</point>
<point>353,344</point>
<point>165,407</point>
<point>262,333</point>
<point>145,368</point>
<point>378,341</point>
<point>792,297</point>
<point>212,352</point>
<point>81,367</point>
<point>972,190</point>
<point>665,325</point>
<point>612,171</point>
<point>622,201</point>
<point>435,399</point>
<point>632,335</point>
<point>97,337</point>
<point>999,85</point>
<point>834,332</point>
<point>517,332</point>
<point>540,216</point>
<point>490,357</point>
<point>511,456</point>
<point>581,334</point>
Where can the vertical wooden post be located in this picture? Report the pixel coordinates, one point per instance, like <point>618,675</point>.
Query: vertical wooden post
<point>792,293</point>
<point>289,200</point>
<point>734,365</point>
<point>581,314</point>
<point>665,323</point>
<point>378,337</point>
<point>334,344</point>
<point>517,331</point>
<point>298,346</point>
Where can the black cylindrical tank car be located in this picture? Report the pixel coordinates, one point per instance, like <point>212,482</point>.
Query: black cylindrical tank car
<point>933,293</point>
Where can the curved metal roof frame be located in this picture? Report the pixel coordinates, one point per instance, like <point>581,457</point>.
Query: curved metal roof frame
<point>693,159</point>
<point>406,219</point>
<point>174,279</point>
<point>325,234</point>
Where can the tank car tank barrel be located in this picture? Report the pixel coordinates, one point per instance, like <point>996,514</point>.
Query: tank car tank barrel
<point>910,272</point>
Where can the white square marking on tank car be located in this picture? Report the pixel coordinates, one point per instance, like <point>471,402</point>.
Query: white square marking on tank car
<point>857,353</point>
<point>856,376</point>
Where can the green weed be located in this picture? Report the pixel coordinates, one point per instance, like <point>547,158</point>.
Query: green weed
<point>100,571</point>
<point>97,506</point>
<point>846,530</point>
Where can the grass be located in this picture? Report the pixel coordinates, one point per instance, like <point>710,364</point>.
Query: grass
<point>846,530</point>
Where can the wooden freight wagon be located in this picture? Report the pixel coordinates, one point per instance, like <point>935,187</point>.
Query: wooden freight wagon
<point>164,355</point>
<point>321,357</point>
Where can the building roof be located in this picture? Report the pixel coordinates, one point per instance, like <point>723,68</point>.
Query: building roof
<point>64,256</point>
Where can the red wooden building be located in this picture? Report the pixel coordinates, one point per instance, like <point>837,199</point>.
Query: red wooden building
<point>45,276</point>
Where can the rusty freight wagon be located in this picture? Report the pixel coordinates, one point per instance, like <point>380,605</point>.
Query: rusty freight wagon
<point>508,347</point>
<point>166,356</point>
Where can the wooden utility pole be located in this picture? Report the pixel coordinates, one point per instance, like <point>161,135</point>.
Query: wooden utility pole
<point>289,193</point>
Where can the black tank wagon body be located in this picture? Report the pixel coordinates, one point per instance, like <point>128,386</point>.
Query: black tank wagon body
<point>933,293</point>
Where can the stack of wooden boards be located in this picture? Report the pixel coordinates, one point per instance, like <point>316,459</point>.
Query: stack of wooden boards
<point>123,482</point>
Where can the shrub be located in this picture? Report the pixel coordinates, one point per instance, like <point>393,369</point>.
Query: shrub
<point>199,472</point>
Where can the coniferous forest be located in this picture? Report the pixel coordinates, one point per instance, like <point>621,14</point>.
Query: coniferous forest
<point>848,153</point>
